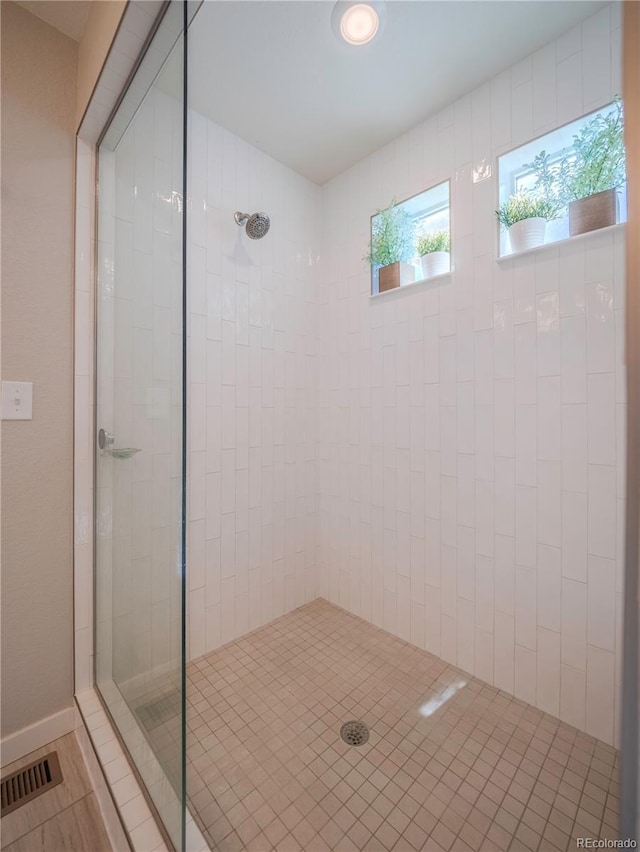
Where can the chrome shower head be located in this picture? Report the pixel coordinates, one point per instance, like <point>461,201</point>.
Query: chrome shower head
<point>256,225</point>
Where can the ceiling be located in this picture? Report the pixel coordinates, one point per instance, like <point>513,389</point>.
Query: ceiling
<point>275,74</point>
<point>68,16</point>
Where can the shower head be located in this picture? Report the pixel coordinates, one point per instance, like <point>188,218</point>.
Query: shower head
<point>256,225</point>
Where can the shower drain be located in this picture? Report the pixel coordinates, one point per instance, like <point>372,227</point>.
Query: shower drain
<point>354,733</point>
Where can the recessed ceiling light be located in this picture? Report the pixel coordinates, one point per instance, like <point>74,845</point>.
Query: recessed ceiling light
<point>359,24</point>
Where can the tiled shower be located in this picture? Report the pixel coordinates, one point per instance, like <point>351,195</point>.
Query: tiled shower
<point>445,462</point>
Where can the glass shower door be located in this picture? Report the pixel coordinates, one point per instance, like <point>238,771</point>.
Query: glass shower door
<point>140,475</point>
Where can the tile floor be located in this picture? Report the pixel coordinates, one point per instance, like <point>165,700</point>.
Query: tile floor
<point>451,764</point>
<point>66,817</point>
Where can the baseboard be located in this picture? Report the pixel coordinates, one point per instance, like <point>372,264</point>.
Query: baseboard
<point>28,739</point>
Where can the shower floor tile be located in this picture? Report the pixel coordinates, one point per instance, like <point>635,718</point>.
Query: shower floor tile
<point>451,762</point>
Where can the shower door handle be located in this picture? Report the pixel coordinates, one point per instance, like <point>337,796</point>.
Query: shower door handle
<point>105,439</point>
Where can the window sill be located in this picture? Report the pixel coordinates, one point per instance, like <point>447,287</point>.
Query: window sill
<point>435,279</point>
<point>620,226</point>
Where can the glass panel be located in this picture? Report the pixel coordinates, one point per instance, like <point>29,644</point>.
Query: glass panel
<point>139,453</point>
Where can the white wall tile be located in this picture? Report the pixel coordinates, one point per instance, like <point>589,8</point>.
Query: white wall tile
<point>544,88</point>
<point>574,535</point>
<point>525,607</point>
<point>484,594</point>
<point>432,615</point>
<point>548,671</point>
<point>466,563</point>
<point>525,364</point>
<point>601,608</point>
<point>570,97</point>
<point>504,423</point>
<point>600,687</point>
<point>239,483</point>
<point>601,323</point>
<point>573,696</point>
<point>601,418</point>
<point>504,660</point>
<point>574,359</point>
<point>572,280</point>
<point>574,448</point>
<point>503,335</point>
<point>549,414</point>
<point>525,674</point>
<point>466,635</point>
<point>484,655</point>
<point>548,334</point>
<point>596,67</point>
<point>484,517</point>
<point>504,568</point>
<point>526,526</point>
<point>522,112</point>
<point>448,639</point>
<point>526,445</point>
<point>569,43</point>
<point>501,110</point>
<point>601,519</point>
<point>549,578</point>
<point>504,496</point>
<point>574,624</point>
<point>550,503</point>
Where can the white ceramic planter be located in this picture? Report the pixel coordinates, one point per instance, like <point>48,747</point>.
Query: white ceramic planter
<point>435,263</point>
<point>527,234</point>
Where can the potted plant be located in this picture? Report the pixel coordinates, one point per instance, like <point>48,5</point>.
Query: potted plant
<point>434,251</point>
<point>588,178</point>
<point>524,216</point>
<point>391,247</point>
<point>590,182</point>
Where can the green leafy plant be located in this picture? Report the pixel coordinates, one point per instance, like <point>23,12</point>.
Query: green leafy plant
<point>524,205</point>
<point>547,183</point>
<point>595,163</point>
<point>599,163</point>
<point>428,243</point>
<point>391,236</point>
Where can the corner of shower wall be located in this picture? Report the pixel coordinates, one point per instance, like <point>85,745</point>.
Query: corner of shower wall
<point>253,356</point>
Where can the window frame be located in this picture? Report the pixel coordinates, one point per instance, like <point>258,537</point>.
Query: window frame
<point>538,144</point>
<point>420,214</point>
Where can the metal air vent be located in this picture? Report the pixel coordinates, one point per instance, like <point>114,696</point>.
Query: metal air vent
<point>29,782</point>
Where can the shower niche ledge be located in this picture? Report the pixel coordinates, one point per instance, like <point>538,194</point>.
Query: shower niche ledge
<point>432,281</point>
<point>588,235</point>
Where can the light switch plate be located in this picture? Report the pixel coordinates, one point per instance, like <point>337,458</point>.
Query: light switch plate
<point>17,400</point>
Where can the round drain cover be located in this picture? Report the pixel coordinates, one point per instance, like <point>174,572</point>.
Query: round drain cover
<point>354,733</point>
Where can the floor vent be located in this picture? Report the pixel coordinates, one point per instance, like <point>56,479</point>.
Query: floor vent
<point>29,782</point>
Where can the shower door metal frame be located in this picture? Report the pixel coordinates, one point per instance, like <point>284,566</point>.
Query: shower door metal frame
<point>188,10</point>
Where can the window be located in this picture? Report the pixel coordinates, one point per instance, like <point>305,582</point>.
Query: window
<point>554,165</point>
<point>402,231</point>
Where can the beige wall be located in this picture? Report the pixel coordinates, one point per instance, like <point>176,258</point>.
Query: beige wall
<point>100,29</point>
<point>38,70</point>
